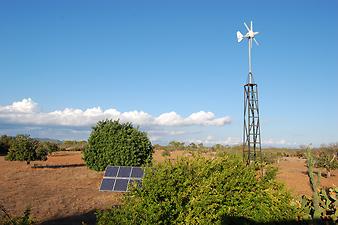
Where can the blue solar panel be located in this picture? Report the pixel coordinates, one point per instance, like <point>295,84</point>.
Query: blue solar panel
<point>121,185</point>
<point>111,171</point>
<point>137,172</point>
<point>117,178</point>
<point>107,184</point>
<point>124,172</point>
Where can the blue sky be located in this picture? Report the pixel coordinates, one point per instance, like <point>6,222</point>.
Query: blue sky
<point>178,59</point>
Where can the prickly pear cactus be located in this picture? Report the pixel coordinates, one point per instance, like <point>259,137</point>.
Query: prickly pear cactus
<point>327,207</point>
<point>324,202</point>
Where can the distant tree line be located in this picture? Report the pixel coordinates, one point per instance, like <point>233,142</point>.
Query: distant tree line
<point>325,156</point>
<point>24,148</point>
<point>178,145</point>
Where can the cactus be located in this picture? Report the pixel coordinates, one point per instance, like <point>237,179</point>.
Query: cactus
<point>324,203</point>
<point>315,195</point>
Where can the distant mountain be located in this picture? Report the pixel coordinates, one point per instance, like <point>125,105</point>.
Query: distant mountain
<point>49,140</point>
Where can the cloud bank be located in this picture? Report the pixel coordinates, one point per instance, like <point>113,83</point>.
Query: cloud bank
<point>27,111</point>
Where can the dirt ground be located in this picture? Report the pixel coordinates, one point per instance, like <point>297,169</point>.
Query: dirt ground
<point>70,195</point>
<point>54,193</point>
<point>293,172</point>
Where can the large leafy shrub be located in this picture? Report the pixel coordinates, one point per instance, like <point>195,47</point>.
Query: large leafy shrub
<point>327,160</point>
<point>5,144</point>
<point>204,191</point>
<point>47,148</point>
<point>115,143</point>
<point>24,148</point>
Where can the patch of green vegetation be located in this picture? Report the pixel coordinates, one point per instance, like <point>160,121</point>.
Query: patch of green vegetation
<point>115,143</point>
<point>203,191</point>
<point>7,219</point>
<point>24,148</point>
<point>72,145</point>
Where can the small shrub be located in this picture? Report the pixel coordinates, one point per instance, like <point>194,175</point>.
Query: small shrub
<point>73,145</point>
<point>25,148</point>
<point>327,160</point>
<point>41,152</point>
<point>5,144</point>
<point>115,143</point>
<point>50,147</point>
<point>203,191</point>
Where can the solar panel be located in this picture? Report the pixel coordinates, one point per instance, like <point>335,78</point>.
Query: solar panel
<point>111,171</point>
<point>119,178</point>
<point>137,172</point>
<point>107,184</point>
<point>121,185</point>
<point>124,172</point>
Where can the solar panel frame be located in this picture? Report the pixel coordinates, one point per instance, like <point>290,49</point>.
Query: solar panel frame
<point>106,184</point>
<point>123,177</point>
<point>121,185</point>
<point>137,172</point>
<point>111,171</point>
<point>124,171</point>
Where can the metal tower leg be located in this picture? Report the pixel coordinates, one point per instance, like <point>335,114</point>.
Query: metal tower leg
<point>251,130</point>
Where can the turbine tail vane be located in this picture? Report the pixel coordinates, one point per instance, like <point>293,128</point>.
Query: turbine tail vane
<point>239,36</point>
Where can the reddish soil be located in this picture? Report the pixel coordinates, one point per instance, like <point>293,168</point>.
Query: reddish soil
<point>53,192</point>
<point>293,172</point>
<point>70,195</point>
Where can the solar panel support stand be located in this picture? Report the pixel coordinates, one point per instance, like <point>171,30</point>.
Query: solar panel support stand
<point>252,150</point>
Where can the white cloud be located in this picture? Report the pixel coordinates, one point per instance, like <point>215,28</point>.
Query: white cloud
<point>277,142</point>
<point>24,106</point>
<point>169,119</point>
<point>211,140</point>
<point>26,112</point>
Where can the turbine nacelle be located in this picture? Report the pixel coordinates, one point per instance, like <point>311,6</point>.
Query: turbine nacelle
<point>250,35</point>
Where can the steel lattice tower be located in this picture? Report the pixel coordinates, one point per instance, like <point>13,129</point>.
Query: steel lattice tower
<point>251,129</point>
<point>252,150</point>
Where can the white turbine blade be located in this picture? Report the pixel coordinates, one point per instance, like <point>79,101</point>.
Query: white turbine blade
<point>246,27</point>
<point>251,25</point>
<point>256,41</point>
<point>239,36</point>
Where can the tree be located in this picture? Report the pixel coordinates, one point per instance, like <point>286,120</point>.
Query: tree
<point>119,144</point>
<point>217,147</point>
<point>327,160</point>
<point>5,144</point>
<point>50,147</point>
<point>192,146</point>
<point>24,148</point>
<point>176,145</point>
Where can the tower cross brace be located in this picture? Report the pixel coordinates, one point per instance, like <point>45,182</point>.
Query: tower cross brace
<point>252,150</point>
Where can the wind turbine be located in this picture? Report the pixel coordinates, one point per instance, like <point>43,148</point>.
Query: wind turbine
<point>250,36</point>
<point>251,126</point>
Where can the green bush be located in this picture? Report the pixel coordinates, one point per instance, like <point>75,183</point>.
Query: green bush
<point>204,191</point>
<point>24,148</point>
<point>327,160</point>
<point>5,144</point>
<point>48,147</point>
<point>115,143</point>
<point>41,151</point>
<point>69,145</point>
